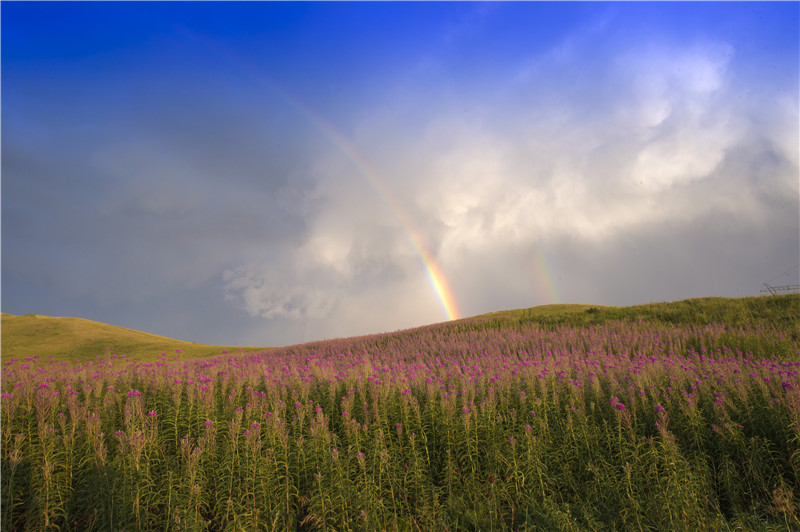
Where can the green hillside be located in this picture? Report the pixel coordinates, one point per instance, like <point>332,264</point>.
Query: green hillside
<point>731,311</point>
<point>78,339</point>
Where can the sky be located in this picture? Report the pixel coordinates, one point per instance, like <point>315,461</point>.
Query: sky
<point>266,173</point>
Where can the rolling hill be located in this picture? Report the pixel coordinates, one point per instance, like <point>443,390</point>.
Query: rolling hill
<point>78,339</point>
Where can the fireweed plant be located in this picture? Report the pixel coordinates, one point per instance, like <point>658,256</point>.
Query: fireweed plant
<point>616,426</point>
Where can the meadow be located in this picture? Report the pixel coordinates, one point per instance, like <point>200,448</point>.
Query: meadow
<point>681,416</point>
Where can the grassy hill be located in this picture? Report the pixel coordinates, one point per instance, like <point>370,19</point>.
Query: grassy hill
<point>731,311</point>
<point>78,339</point>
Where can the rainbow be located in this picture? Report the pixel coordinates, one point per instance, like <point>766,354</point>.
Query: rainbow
<point>542,276</point>
<point>435,275</point>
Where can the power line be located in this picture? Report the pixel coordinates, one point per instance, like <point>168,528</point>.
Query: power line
<point>773,290</point>
<point>797,267</point>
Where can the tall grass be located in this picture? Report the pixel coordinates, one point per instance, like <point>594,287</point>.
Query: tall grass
<point>624,425</point>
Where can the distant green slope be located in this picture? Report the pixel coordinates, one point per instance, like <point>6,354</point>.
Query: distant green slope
<point>78,339</point>
<point>732,311</point>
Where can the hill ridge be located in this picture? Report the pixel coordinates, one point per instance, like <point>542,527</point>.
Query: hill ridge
<point>31,334</point>
<point>72,338</point>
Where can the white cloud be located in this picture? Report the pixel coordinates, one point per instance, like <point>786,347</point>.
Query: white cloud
<point>486,183</point>
<point>275,293</point>
<point>566,169</point>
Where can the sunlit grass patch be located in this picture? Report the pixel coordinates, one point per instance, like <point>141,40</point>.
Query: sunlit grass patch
<point>76,339</point>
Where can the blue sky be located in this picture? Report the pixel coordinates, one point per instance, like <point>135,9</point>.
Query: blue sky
<point>268,173</point>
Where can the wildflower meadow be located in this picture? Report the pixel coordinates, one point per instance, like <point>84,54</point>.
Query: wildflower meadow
<point>471,425</point>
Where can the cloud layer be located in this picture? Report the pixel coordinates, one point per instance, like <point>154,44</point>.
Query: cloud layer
<point>670,158</point>
<point>600,164</point>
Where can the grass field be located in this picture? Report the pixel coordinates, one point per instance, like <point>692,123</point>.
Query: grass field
<point>76,339</point>
<point>674,416</point>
